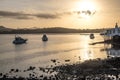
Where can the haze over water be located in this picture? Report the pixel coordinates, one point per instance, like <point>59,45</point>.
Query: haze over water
<point>73,47</point>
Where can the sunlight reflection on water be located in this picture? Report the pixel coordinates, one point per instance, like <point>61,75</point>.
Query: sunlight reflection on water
<point>62,47</point>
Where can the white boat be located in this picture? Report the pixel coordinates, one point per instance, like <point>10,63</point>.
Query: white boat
<point>19,40</point>
<point>92,36</point>
<point>112,34</point>
<point>44,38</point>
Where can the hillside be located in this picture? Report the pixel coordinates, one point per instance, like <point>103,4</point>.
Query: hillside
<point>5,30</point>
<point>2,28</point>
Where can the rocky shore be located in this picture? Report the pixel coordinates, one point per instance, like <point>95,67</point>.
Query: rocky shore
<point>108,69</point>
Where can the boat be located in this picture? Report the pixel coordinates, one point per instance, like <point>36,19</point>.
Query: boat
<point>19,40</point>
<point>112,34</point>
<point>92,36</point>
<point>44,37</point>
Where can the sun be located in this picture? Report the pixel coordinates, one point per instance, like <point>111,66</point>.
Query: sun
<point>86,8</point>
<point>86,5</point>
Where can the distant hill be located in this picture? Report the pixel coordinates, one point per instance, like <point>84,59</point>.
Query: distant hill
<point>2,28</point>
<point>5,30</point>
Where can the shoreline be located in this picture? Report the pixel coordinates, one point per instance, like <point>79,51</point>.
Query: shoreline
<point>97,68</point>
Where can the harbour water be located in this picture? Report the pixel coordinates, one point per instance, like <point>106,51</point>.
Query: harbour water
<point>66,48</point>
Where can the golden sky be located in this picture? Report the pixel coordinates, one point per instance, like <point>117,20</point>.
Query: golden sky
<point>80,14</point>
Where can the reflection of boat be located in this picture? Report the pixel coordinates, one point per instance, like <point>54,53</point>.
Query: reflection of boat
<point>113,51</point>
<point>92,36</point>
<point>84,34</point>
<point>19,40</point>
<point>112,34</point>
<point>44,38</point>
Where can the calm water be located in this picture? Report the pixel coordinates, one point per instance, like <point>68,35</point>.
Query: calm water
<point>62,47</point>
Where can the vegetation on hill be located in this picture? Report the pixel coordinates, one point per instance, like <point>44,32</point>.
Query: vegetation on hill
<point>4,30</point>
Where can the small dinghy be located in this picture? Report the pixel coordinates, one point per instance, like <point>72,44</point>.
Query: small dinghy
<point>44,38</point>
<point>92,36</point>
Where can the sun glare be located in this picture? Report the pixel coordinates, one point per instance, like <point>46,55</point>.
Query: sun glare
<point>86,8</point>
<point>85,5</point>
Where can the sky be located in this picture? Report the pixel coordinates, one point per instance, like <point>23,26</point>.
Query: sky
<point>78,14</point>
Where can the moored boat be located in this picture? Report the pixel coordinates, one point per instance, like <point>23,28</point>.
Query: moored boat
<point>92,36</point>
<point>44,37</point>
<point>112,35</point>
<point>19,40</point>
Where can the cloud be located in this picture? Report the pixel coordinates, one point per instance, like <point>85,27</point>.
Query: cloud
<point>47,16</point>
<point>86,12</point>
<point>54,15</point>
<point>15,15</point>
<point>19,15</point>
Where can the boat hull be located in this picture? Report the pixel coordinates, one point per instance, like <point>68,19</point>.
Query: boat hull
<point>45,39</point>
<point>19,42</point>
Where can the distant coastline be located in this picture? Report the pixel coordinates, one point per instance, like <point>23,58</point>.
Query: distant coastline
<point>5,30</point>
